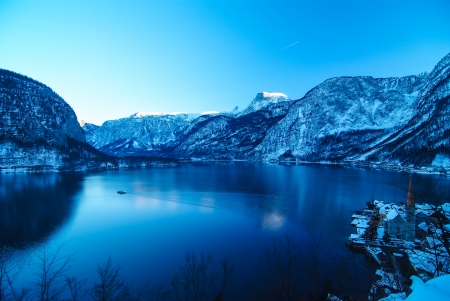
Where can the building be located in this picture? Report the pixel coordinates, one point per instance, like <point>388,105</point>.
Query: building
<point>402,225</point>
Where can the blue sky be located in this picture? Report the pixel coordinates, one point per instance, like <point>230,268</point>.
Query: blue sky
<point>111,58</point>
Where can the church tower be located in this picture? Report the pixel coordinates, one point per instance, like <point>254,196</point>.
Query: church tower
<point>410,214</point>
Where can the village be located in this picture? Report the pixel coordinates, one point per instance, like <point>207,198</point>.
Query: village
<point>402,240</point>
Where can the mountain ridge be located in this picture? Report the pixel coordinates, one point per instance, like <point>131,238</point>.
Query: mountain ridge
<point>348,119</point>
<point>345,119</point>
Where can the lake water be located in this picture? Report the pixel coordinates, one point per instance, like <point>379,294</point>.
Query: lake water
<point>231,210</point>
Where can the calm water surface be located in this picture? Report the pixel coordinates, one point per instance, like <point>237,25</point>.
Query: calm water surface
<point>233,211</point>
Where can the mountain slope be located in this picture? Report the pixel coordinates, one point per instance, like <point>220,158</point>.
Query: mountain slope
<point>38,129</point>
<point>341,117</point>
<point>139,134</point>
<point>427,134</point>
<point>223,135</point>
<point>402,120</point>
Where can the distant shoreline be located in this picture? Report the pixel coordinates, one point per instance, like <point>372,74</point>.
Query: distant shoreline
<point>435,170</point>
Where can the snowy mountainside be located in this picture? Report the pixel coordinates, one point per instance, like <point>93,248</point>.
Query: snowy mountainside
<point>402,120</point>
<point>224,137</point>
<point>38,129</point>
<point>210,134</point>
<point>341,117</point>
<point>31,111</point>
<point>396,120</point>
<point>275,102</point>
<point>141,133</point>
<point>88,127</point>
<point>426,136</point>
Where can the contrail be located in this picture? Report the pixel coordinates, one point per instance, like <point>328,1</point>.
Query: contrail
<point>287,46</point>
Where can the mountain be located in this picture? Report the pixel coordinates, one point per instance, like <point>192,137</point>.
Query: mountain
<point>31,111</point>
<point>342,117</point>
<point>277,103</point>
<point>40,131</point>
<point>396,120</point>
<point>140,134</point>
<point>401,120</point>
<point>425,139</point>
<point>210,135</point>
<point>38,128</point>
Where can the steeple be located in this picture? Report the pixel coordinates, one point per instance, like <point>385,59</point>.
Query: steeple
<point>410,200</point>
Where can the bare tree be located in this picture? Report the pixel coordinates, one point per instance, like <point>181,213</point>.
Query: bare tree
<point>5,271</point>
<point>76,288</point>
<point>281,271</point>
<point>159,293</point>
<point>51,274</point>
<point>9,270</point>
<point>435,194</point>
<point>111,285</point>
<point>195,280</point>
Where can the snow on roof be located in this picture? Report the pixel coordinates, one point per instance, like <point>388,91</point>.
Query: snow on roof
<point>446,208</point>
<point>433,242</point>
<point>437,289</point>
<point>362,222</point>
<point>423,226</point>
<point>424,206</point>
<point>392,214</point>
<point>360,231</point>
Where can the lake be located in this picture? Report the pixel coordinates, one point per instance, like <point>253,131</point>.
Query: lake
<point>234,210</point>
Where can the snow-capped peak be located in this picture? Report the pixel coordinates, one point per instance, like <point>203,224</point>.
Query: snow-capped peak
<point>264,99</point>
<point>209,112</point>
<point>272,95</point>
<point>145,114</point>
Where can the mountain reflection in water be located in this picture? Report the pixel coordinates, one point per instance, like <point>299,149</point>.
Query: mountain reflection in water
<point>32,206</point>
<point>228,210</point>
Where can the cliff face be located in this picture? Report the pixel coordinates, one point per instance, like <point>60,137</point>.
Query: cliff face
<point>31,111</point>
<point>425,138</point>
<point>342,118</point>
<point>38,128</point>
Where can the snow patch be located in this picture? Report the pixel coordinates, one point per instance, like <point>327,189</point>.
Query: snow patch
<point>441,160</point>
<point>145,114</point>
<point>209,113</point>
<point>436,289</point>
<point>273,94</point>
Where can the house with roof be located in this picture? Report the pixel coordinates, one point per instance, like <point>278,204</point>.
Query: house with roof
<point>400,224</point>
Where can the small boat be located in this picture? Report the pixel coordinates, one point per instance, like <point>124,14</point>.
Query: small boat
<point>121,192</point>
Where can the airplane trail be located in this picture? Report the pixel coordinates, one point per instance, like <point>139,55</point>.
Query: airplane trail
<point>287,46</point>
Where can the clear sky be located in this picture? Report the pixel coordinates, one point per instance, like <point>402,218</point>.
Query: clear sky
<point>111,58</point>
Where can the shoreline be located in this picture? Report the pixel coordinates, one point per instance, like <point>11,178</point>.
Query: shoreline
<point>433,170</point>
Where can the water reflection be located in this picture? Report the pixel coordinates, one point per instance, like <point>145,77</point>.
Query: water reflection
<point>230,210</point>
<point>32,206</point>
